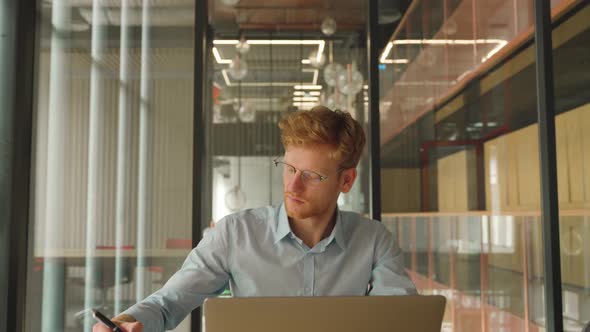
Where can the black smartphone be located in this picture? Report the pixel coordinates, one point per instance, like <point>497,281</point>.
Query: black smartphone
<point>104,320</point>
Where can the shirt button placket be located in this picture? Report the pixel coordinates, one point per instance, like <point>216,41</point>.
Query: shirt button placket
<point>308,275</point>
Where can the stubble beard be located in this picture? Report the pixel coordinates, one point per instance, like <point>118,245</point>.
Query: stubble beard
<point>296,211</point>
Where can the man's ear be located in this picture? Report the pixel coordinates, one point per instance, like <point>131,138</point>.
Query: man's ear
<point>348,177</point>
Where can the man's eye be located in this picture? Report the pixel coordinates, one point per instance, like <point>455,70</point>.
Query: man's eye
<point>291,170</point>
<point>311,176</point>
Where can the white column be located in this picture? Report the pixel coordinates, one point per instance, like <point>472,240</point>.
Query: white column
<point>53,230</point>
<point>145,146</point>
<point>123,156</point>
<point>96,142</point>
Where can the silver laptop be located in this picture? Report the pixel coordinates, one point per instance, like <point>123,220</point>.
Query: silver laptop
<point>315,314</point>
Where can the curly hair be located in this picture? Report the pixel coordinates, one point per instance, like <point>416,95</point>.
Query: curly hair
<point>320,125</point>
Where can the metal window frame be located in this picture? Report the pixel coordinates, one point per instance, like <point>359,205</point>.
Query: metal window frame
<point>548,160</point>
<point>21,28</point>
<point>201,59</point>
<point>374,128</point>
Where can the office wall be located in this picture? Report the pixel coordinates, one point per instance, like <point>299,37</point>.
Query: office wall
<point>400,189</point>
<point>457,182</point>
<point>171,151</point>
<point>513,170</point>
<point>512,176</point>
<point>97,115</point>
<point>446,98</point>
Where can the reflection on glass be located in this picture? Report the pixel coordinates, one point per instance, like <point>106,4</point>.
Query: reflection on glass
<point>242,46</point>
<point>246,112</point>
<point>235,199</point>
<point>573,167</point>
<point>238,68</point>
<point>460,163</point>
<point>288,71</point>
<point>336,100</point>
<point>111,203</point>
<point>316,61</point>
<point>331,73</point>
<point>350,82</point>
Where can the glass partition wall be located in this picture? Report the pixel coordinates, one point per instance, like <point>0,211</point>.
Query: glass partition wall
<point>112,160</point>
<point>572,99</point>
<point>113,140</point>
<point>460,159</point>
<point>113,135</point>
<point>269,61</point>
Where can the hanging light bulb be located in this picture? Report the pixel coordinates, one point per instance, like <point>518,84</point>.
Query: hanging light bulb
<point>242,46</point>
<point>350,82</point>
<point>336,101</point>
<point>330,102</point>
<point>230,3</point>
<point>316,61</point>
<point>246,112</point>
<point>450,27</point>
<point>328,26</point>
<point>235,199</point>
<point>331,72</point>
<point>238,68</point>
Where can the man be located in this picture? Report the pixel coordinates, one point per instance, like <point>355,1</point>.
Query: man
<point>303,247</point>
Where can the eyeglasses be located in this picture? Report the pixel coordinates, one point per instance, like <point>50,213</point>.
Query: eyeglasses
<point>308,177</point>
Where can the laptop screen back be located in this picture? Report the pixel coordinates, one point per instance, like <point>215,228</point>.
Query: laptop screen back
<point>315,314</point>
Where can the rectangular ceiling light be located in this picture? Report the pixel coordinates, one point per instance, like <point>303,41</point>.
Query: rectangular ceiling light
<point>304,104</point>
<point>307,87</point>
<point>314,81</point>
<point>383,58</point>
<point>218,57</point>
<point>320,43</point>
<point>306,93</point>
<point>271,42</point>
<point>306,99</point>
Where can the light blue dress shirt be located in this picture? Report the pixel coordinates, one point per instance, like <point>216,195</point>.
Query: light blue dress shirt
<point>257,254</point>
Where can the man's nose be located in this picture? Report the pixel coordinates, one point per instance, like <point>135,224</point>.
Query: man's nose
<point>295,183</point>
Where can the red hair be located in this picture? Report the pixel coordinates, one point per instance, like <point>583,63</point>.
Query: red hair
<point>320,125</point>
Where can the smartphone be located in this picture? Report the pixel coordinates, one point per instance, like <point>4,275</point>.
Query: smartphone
<point>104,320</point>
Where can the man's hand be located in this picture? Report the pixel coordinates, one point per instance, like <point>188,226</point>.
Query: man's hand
<point>126,322</point>
<point>127,327</point>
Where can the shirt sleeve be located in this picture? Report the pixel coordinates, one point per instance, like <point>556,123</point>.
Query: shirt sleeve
<point>389,276</point>
<point>204,273</point>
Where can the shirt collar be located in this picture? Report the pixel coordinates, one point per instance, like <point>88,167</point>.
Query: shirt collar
<point>338,230</point>
<point>283,229</point>
<point>282,224</point>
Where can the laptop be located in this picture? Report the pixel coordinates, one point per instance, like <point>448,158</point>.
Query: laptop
<point>315,314</point>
